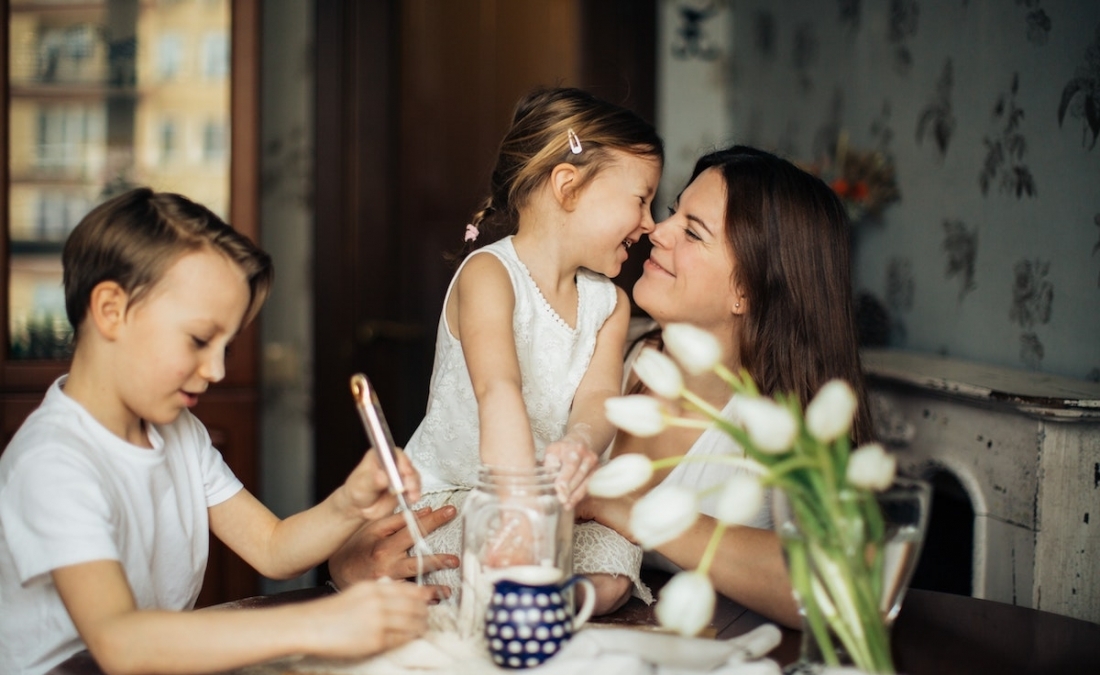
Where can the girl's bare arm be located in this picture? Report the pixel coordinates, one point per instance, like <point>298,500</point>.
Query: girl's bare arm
<point>588,432</point>
<point>485,304</point>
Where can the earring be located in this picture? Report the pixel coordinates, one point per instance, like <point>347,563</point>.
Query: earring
<point>737,306</point>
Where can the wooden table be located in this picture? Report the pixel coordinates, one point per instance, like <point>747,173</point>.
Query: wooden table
<point>935,634</point>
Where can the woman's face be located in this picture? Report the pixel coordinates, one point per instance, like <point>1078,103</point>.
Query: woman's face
<point>688,276</point>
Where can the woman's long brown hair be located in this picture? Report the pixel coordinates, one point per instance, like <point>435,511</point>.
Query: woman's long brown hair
<point>789,234</point>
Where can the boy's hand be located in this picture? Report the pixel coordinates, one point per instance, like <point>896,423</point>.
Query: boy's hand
<point>368,618</point>
<point>368,487</point>
<point>575,462</point>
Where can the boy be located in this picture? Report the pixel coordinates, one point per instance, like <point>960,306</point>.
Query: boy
<point>109,489</point>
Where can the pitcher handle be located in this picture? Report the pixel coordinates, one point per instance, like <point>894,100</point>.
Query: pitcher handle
<point>582,615</point>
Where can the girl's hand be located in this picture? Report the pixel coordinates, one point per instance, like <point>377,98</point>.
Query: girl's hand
<point>513,543</point>
<point>368,618</point>
<point>575,462</point>
<point>367,487</point>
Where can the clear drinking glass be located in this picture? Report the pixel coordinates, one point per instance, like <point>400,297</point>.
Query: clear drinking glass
<point>512,517</point>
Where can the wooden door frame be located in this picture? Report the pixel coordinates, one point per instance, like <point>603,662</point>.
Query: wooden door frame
<point>357,181</point>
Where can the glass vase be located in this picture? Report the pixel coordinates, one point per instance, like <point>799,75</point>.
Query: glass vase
<point>850,569</point>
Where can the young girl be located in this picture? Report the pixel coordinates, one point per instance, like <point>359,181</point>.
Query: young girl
<point>531,336</point>
<point>109,490</point>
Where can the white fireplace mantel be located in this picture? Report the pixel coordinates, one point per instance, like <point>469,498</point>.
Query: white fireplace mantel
<point>1026,447</point>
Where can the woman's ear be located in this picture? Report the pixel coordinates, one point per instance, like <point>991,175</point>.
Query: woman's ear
<point>739,306</point>
<point>565,181</point>
<point>107,305</point>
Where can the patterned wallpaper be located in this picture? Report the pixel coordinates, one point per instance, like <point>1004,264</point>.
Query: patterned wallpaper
<point>987,110</point>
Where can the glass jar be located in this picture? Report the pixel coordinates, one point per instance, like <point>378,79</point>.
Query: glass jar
<point>512,517</point>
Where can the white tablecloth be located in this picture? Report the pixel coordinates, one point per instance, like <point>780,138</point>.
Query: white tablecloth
<point>592,651</point>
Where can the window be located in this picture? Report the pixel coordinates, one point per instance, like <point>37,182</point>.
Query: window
<point>169,141</point>
<point>214,141</point>
<point>169,56</point>
<point>215,56</point>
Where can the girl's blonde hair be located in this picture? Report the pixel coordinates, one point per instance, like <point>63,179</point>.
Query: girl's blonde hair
<point>135,237</point>
<point>539,139</point>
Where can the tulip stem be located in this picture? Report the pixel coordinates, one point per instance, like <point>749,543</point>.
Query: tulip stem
<point>743,462</point>
<point>712,548</point>
<point>697,401</point>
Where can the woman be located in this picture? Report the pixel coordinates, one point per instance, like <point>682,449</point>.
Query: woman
<point>756,252</point>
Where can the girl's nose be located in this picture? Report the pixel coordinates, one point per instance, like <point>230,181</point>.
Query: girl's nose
<point>212,368</point>
<point>661,233</point>
<point>648,224</point>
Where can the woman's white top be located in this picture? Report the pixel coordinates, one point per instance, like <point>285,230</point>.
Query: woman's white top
<point>699,475</point>
<point>553,357</point>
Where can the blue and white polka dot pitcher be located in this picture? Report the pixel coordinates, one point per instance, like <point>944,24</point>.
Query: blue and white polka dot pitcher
<point>530,618</point>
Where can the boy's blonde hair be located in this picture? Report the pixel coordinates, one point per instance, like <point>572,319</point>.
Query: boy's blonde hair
<point>133,239</point>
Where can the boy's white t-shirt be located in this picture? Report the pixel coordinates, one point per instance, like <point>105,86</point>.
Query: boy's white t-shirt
<point>73,492</point>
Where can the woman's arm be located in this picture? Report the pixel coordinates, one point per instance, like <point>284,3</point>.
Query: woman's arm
<point>380,549</point>
<point>748,565</point>
<point>484,303</point>
<point>367,619</point>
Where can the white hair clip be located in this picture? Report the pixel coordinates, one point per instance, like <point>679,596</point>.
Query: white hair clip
<point>574,142</point>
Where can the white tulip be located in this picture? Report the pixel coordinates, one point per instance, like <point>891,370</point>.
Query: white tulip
<point>638,415</point>
<point>622,475</point>
<point>660,373</point>
<point>740,500</point>
<point>830,413</point>
<point>870,467</point>
<point>686,604</point>
<point>697,350</point>
<point>771,427</point>
<point>663,514</point>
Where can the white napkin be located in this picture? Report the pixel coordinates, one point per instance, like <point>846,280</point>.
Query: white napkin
<point>608,651</point>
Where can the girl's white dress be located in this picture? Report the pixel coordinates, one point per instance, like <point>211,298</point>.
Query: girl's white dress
<point>553,357</point>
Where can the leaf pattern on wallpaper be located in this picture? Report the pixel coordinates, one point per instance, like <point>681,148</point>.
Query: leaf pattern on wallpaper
<point>937,118</point>
<point>902,26</point>
<point>763,32</point>
<point>1032,293</point>
<point>805,55</point>
<point>881,132</point>
<point>900,289</point>
<point>1004,153</point>
<point>826,136</point>
<point>1031,350</point>
<point>850,12</point>
<point>961,247</point>
<point>1032,301</point>
<point>1038,27</point>
<point>1081,95</point>
<point>691,39</point>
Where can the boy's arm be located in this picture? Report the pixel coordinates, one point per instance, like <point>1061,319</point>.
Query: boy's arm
<point>588,432</point>
<point>486,303</point>
<point>283,549</point>
<point>366,619</point>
